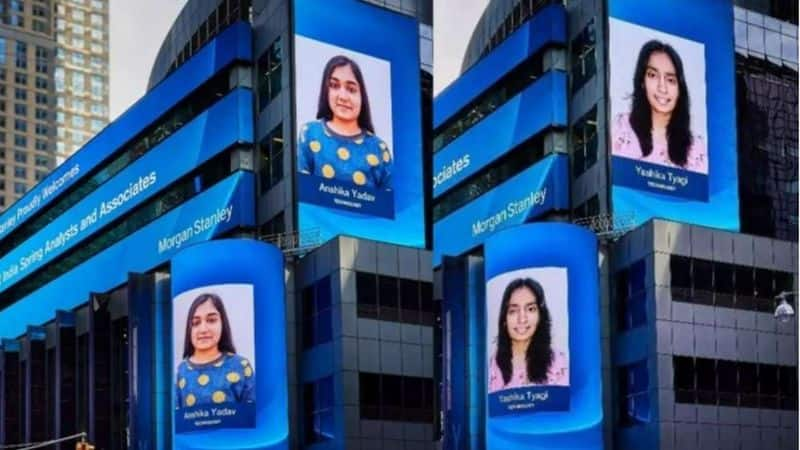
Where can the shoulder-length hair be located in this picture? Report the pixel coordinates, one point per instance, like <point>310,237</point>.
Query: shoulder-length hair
<point>323,105</point>
<point>225,341</point>
<point>539,355</point>
<point>679,134</point>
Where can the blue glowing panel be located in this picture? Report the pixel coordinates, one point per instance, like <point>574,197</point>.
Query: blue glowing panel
<point>230,372</point>
<point>541,105</point>
<point>672,109</point>
<point>543,385</point>
<point>533,192</point>
<point>234,44</point>
<point>223,207</point>
<point>548,26</point>
<point>358,122</point>
<point>195,143</point>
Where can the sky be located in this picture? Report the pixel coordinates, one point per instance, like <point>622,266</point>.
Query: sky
<point>454,21</point>
<point>137,28</point>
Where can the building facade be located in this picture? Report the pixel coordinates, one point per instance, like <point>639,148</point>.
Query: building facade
<point>694,301</point>
<point>360,318</point>
<point>81,73</point>
<point>45,46</point>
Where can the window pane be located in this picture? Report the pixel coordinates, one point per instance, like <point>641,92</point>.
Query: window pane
<point>727,383</point>
<point>367,295</point>
<point>387,295</point>
<point>409,301</point>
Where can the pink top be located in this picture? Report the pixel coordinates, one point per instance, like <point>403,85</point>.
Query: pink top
<point>558,375</point>
<point>625,143</point>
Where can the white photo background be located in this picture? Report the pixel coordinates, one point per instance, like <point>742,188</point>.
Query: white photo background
<point>313,55</point>
<point>240,308</point>
<point>625,42</point>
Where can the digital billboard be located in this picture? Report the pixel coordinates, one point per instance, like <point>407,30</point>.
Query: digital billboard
<point>535,191</point>
<point>134,184</point>
<point>527,330</point>
<point>542,336</point>
<point>221,208</point>
<point>214,357</point>
<point>358,121</point>
<point>230,387</point>
<point>672,112</point>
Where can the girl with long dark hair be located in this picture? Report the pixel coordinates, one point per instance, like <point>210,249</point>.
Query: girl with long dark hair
<point>524,355</point>
<point>658,128</point>
<point>341,144</point>
<point>211,372</point>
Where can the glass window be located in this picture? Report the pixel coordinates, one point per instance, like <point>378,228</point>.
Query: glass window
<point>584,138</point>
<point>706,381</point>
<point>727,374</point>
<point>409,301</point>
<point>634,396</point>
<point>745,288</point>
<point>21,55</point>
<point>318,408</point>
<point>367,295</point>
<point>271,171</point>
<point>78,81</point>
<point>317,314</point>
<point>681,274</point>
<point>748,385</point>
<point>269,69</point>
<point>683,379</point>
<point>584,63</point>
<point>768,386</point>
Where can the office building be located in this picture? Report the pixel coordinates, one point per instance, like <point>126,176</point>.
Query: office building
<point>54,86</point>
<point>694,254</point>
<point>209,153</point>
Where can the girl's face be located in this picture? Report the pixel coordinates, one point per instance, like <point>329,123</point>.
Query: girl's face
<point>344,94</point>
<point>661,83</point>
<point>206,327</point>
<point>522,317</point>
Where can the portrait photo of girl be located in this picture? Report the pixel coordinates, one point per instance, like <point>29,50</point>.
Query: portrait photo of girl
<point>341,142</point>
<point>652,115</point>
<point>524,354</point>
<point>210,371</point>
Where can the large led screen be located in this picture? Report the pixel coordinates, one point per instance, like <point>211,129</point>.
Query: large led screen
<point>672,112</point>
<point>214,357</point>
<point>542,338</point>
<point>357,115</point>
<point>229,388</point>
<point>528,340</point>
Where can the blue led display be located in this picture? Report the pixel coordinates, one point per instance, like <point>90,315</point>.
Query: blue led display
<point>196,142</point>
<point>692,177</point>
<point>539,106</point>
<point>225,206</point>
<point>364,179</point>
<point>233,44</point>
<point>529,194</point>
<point>548,26</point>
<point>230,264</point>
<point>566,255</point>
